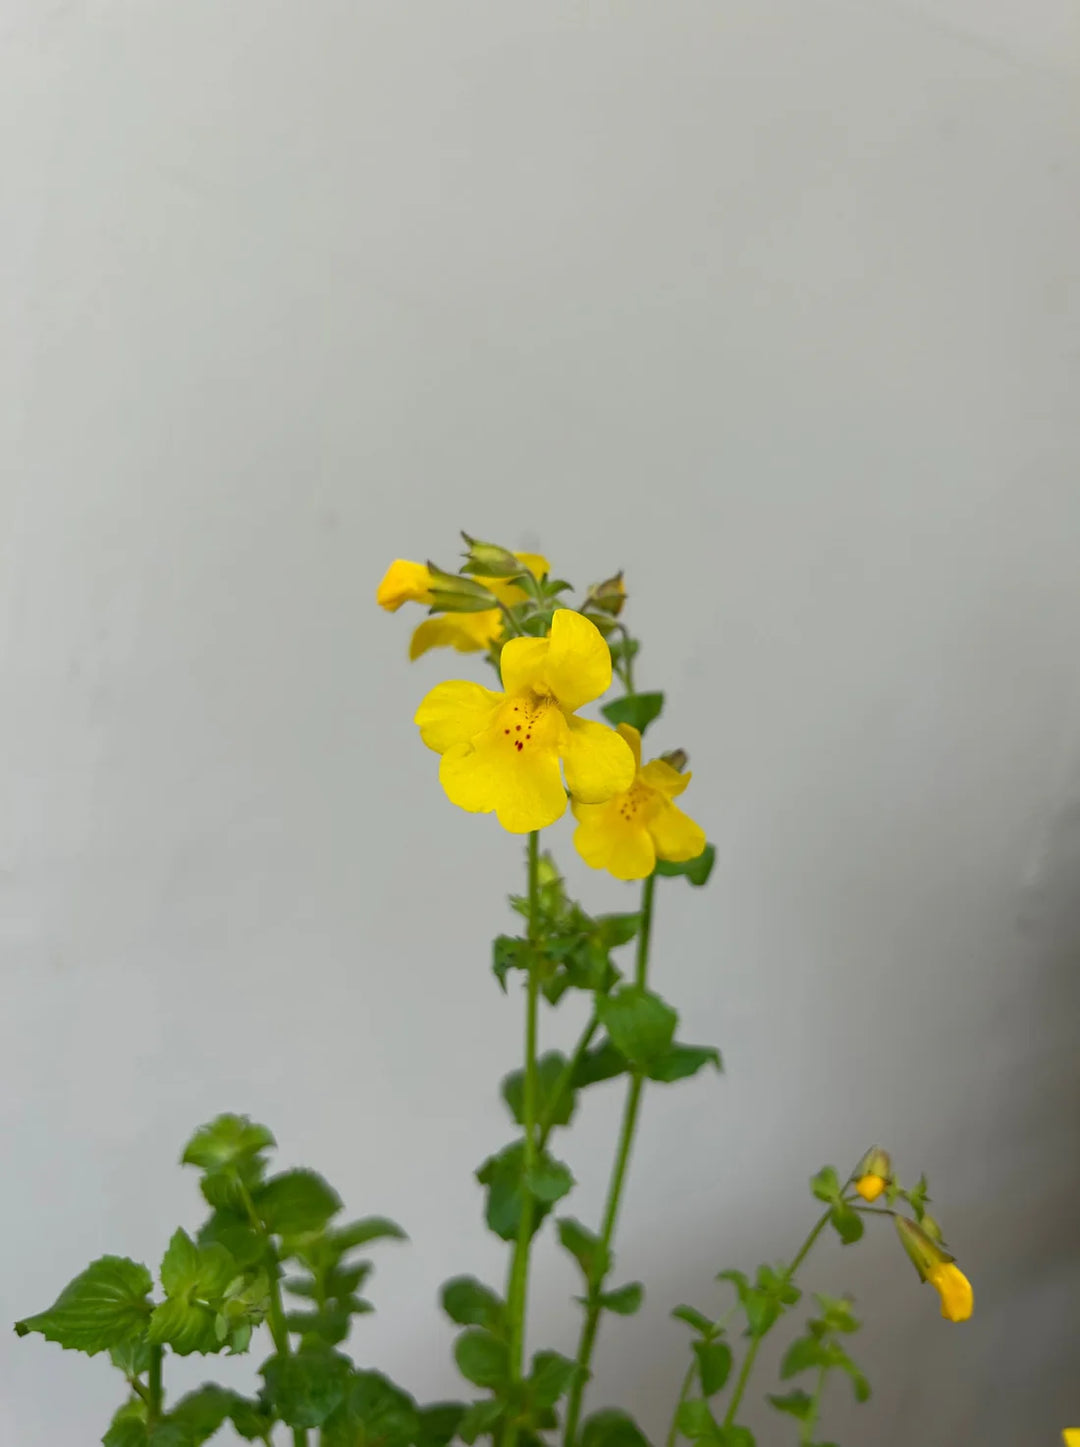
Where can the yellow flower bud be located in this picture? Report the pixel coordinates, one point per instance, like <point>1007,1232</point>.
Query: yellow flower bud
<point>870,1186</point>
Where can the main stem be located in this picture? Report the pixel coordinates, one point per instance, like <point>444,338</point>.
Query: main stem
<point>519,1266</point>
<point>156,1391</point>
<point>755,1345</point>
<point>591,1325</point>
<point>806,1436</point>
<point>275,1314</point>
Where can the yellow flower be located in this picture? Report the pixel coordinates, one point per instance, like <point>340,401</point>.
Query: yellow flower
<point>1071,1436</point>
<point>957,1297</point>
<point>501,751</point>
<point>630,832</point>
<point>870,1186</point>
<point>467,632</point>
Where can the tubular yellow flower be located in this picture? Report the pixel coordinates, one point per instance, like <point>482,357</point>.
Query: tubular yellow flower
<point>466,632</point>
<point>950,1283</point>
<point>629,833</point>
<point>501,751</point>
<point>870,1186</point>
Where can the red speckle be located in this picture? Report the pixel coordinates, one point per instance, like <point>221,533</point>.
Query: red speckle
<point>518,727</point>
<point>518,745</point>
<point>506,731</point>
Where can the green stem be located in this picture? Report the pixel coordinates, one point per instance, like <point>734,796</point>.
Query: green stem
<point>755,1345</point>
<point>688,1382</point>
<point>156,1391</point>
<point>275,1314</point>
<point>806,1436</point>
<point>593,1310</point>
<point>519,1267</point>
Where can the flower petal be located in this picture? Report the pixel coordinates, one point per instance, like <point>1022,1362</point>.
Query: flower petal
<point>957,1297</point>
<point>525,792</point>
<point>675,834</point>
<point>453,713</point>
<point>633,738</point>
<point>607,841</point>
<point>522,664</point>
<point>403,582</point>
<point>467,632</point>
<point>579,662</point>
<point>664,779</point>
<point>598,761</point>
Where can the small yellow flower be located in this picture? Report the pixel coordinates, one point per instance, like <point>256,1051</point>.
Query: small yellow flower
<point>870,1186</point>
<point>630,832</point>
<point>957,1297</point>
<point>406,582</point>
<point>501,751</point>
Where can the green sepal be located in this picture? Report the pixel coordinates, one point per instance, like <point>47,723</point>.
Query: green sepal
<point>104,1306</point>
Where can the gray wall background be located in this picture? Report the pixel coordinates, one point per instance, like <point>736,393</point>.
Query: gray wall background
<point>772,304</point>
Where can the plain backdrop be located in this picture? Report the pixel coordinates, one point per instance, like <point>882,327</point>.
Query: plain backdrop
<point>772,303</point>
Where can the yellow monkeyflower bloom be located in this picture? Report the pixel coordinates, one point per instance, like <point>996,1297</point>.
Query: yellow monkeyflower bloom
<point>501,751</point>
<point>870,1186</point>
<point>1071,1436</point>
<point>640,825</point>
<point>957,1297</point>
<point>406,582</point>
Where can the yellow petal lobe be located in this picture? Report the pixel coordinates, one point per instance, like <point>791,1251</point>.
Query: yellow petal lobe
<point>579,661</point>
<point>957,1297</point>
<point>403,582</point>
<point>598,762</point>
<point>676,836</point>
<point>454,713</point>
<point>870,1186</point>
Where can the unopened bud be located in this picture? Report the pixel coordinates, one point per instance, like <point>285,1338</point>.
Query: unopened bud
<point>606,597</point>
<point>488,560</point>
<point>677,759</point>
<point>452,593</point>
<point>874,1174</point>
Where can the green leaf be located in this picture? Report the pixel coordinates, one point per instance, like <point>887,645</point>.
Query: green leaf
<point>640,1024</point>
<point>131,1357</point>
<point>252,1419</point>
<point>229,1140</point>
<point>602,1062</point>
<point>612,1428</point>
<point>194,1419</point>
<point>470,1303</point>
<point>694,1318</point>
<point>104,1306</point>
<point>613,930</point>
<point>681,1061</point>
<point>549,1180</point>
<point>697,870</point>
<point>624,1300</point>
<point>503,1174</point>
<point>762,1311</point>
<point>374,1411</point>
<point>359,1233</point>
<point>847,1223</point>
<point>636,709</point>
<point>797,1404</point>
<point>836,1312</point>
<point>550,1377</point>
<point>482,1358</point>
<point>714,1365</point>
<point>509,952</point>
<point>585,1248</point>
<point>554,1097</point>
<point>296,1202</point>
<point>128,1426</point>
<point>233,1231</point>
<point>205,1270</point>
<point>306,1387</point>
<point>826,1185</point>
<point>439,1423</point>
<point>185,1326</point>
<point>918,1198</point>
<point>695,1420</point>
<point>734,1437</point>
<point>480,1420</point>
<point>803,1355</point>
